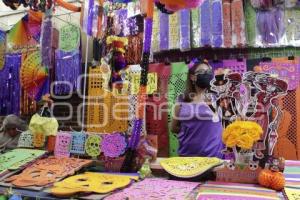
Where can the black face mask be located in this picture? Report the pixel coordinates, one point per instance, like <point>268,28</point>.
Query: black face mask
<point>203,80</point>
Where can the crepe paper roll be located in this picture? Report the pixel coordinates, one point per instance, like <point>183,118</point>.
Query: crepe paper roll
<point>238,23</point>
<point>217,23</point>
<point>227,32</point>
<point>164,32</point>
<point>205,23</point>
<point>68,6</point>
<point>185,30</point>
<point>174,31</point>
<point>155,31</point>
<point>63,144</point>
<point>196,27</point>
<point>10,87</point>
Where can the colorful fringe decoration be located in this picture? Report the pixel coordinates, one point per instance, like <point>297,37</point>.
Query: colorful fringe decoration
<point>10,85</point>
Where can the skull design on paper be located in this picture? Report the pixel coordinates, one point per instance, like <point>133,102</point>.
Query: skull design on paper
<point>62,145</point>
<point>78,143</point>
<point>92,145</point>
<point>26,139</point>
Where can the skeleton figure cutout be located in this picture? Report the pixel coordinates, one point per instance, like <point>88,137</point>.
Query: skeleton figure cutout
<point>62,144</point>
<point>26,140</point>
<point>92,145</point>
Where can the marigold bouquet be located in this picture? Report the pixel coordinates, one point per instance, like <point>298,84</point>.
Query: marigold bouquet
<point>242,134</point>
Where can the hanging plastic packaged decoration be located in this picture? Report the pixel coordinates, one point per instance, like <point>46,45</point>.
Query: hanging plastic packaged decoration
<point>217,23</point>
<point>2,48</point>
<point>156,31</point>
<point>227,23</point>
<point>164,32</point>
<point>270,27</point>
<point>69,38</point>
<point>185,30</point>
<point>238,23</point>
<point>292,22</point>
<point>113,145</point>
<point>26,140</point>
<point>250,22</point>
<point>92,145</point>
<point>10,85</point>
<point>88,14</point>
<point>46,42</point>
<point>174,31</point>
<point>63,144</point>
<point>67,70</point>
<point>78,143</point>
<point>205,23</point>
<point>196,27</point>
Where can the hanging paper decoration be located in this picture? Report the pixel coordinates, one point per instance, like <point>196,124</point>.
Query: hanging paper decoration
<point>196,27</point>
<point>25,33</point>
<point>185,40</point>
<point>67,70</point>
<point>63,144</point>
<point>78,143</point>
<point>46,42</point>
<point>155,188</point>
<point>238,23</point>
<point>174,31</point>
<point>15,159</point>
<point>164,31</point>
<point>227,23</point>
<point>47,171</point>
<point>2,48</point>
<point>92,145</point>
<point>88,14</point>
<point>26,140</point>
<point>205,23</point>
<point>89,183</point>
<point>113,145</point>
<point>217,23</point>
<point>292,21</point>
<point>10,85</point>
<point>33,74</point>
<point>69,38</point>
<point>288,70</point>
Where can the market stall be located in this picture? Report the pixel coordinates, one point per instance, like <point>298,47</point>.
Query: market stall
<point>174,100</point>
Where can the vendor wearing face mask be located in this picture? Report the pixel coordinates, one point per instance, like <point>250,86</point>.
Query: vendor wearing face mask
<point>195,118</point>
<point>10,132</point>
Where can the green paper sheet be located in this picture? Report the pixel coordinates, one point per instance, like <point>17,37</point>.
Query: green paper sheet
<point>176,86</point>
<point>16,158</point>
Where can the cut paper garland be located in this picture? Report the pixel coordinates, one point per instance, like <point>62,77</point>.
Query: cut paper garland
<point>78,143</point>
<point>67,70</point>
<point>188,167</point>
<point>69,38</point>
<point>2,48</point>
<point>92,145</point>
<point>154,188</point>
<point>62,144</point>
<point>14,159</point>
<point>113,145</point>
<point>10,85</point>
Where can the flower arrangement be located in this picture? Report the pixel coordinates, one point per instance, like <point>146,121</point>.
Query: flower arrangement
<point>242,134</point>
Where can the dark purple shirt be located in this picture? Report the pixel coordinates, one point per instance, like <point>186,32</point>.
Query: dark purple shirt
<point>200,131</point>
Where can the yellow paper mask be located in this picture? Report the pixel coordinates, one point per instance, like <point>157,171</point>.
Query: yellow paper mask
<point>188,167</point>
<point>90,182</point>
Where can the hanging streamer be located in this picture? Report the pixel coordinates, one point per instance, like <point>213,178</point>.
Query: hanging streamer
<point>10,85</point>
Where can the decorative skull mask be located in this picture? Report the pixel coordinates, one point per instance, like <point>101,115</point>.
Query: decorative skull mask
<point>92,145</point>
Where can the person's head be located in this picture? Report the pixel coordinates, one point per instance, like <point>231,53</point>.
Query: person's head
<point>199,76</point>
<point>13,125</point>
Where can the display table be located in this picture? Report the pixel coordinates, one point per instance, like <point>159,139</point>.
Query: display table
<point>292,174</point>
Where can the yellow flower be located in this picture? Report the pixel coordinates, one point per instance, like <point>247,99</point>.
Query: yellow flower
<point>245,141</point>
